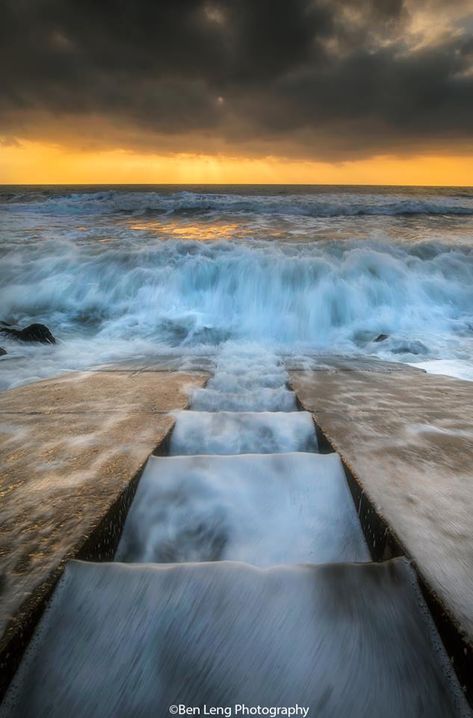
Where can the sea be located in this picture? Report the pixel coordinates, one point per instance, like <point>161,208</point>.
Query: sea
<point>242,564</point>
<point>142,273</point>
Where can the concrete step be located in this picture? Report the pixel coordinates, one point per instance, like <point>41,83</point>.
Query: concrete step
<point>258,399</point>
<point>265,509</point>
<point>248,379</point>
<point>223,432</point>
<point>341,640</point>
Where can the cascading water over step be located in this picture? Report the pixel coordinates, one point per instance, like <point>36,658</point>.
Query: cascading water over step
<point>342,640</point>
<point>223,432</point>
<point>265,509</point>
<point>265,400</point>
<point>242,579</point>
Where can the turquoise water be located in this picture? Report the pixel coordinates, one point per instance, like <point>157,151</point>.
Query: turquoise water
<point>133,272</point>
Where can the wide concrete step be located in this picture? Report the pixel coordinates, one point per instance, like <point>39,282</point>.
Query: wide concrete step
<point>341,640</point>
<point>257,399</point>
<point>265,509</point>
<point>224,432</point>
<point>248,378</point>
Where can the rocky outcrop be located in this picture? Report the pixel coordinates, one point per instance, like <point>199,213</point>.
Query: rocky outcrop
<point>32,333</point>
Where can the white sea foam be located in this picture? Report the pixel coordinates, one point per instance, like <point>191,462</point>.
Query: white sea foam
<point>264,509</point>
<point>220,432</point>
<point>111,286</point>
<point>180,294</point>
<point>260,400</point>
<point>455,368</point>
<point>346,640</point>
<point>246,378</point>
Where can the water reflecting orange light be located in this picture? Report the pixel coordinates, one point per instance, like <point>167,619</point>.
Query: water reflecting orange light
<point>189,230</point>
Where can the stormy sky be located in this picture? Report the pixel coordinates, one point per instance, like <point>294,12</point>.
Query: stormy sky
<point>325,79</point>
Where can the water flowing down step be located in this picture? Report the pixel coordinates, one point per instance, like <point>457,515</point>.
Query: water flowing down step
<point>257,399</point>
<point>265,509</point>
<point>265,375</point>
<point>199,432</point>
<point>242,577</point>
<point>251,380</point>
<point>341,640</point>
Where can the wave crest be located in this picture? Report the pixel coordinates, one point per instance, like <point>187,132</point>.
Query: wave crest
<point>315,204</point>
<point>185,293</point>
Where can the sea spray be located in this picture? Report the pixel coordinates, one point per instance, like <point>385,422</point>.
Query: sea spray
<point>139,274</point>
<point>180,296</point>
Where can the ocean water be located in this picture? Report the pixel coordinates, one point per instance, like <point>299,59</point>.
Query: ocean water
<point>122,273</point>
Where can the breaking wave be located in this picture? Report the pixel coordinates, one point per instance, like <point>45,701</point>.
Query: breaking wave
<point>297,203</point>
<point>111,287</point>
<point>181,293</point>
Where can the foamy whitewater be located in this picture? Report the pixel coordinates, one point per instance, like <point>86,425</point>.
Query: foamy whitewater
<point>223,432</point>
<point>263,509</point>
<point>145,637</point>
<point>139,273</point>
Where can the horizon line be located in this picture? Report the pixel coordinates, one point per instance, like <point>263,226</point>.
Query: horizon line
<point>231,184</point>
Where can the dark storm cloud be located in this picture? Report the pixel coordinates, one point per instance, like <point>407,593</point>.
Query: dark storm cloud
<point>309,77</point>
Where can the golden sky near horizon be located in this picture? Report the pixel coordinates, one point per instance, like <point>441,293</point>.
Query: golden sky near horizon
<point>43,163</point>
<point>252,91</point>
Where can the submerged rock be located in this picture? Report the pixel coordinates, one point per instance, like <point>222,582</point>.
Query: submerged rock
<point>2,351</point>
<point>410,347</point>
<point>364,337</point>
<point>32,333</point>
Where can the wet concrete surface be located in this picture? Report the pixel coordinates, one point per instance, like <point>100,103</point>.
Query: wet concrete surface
<point>407,438</point>
<point>70,450</point>
<point>342,640</point>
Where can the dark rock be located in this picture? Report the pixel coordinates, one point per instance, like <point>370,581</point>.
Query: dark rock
<point>32,333</point>
<point>2,351</point>
<point>362,337</point>
<point>381,338</point>
<point>407,347</point>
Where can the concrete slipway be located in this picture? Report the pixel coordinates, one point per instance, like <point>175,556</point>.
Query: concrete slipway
<point>72,451</point>
<point>406,438</point>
